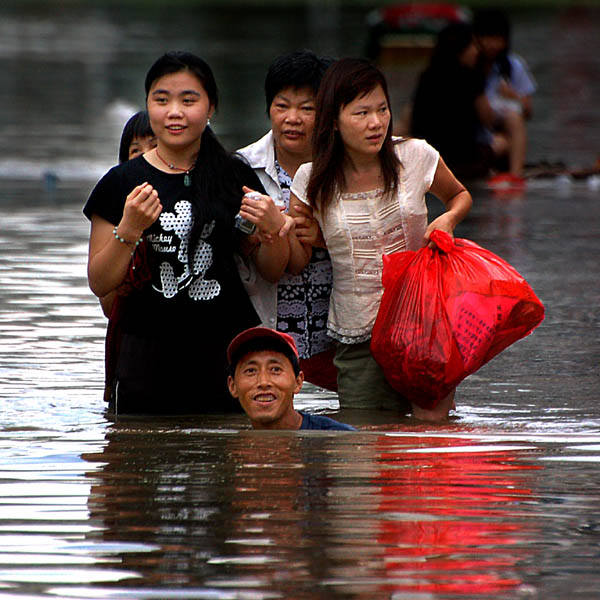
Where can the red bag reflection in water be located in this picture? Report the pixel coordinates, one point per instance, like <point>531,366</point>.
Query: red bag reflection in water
<point>450,522</point>
<point>446,312</point>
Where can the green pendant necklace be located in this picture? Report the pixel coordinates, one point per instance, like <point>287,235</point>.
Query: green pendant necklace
<point>187,180</point>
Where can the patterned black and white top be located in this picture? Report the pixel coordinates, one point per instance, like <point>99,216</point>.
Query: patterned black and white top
<point>303,300</point>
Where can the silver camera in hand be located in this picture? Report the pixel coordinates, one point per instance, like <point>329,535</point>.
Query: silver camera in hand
<point>242,224</point>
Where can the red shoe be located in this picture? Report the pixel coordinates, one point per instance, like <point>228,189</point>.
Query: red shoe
<point>505,181</point>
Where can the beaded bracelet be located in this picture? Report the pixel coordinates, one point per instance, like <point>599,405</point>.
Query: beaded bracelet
<point>124,241</point>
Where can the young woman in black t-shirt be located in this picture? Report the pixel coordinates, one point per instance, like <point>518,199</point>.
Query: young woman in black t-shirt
<point>181,198</point>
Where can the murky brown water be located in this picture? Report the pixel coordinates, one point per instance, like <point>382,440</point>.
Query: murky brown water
<point>502,502</point>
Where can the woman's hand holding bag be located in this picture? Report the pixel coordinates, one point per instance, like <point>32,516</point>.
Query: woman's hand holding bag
<point>444,313</point>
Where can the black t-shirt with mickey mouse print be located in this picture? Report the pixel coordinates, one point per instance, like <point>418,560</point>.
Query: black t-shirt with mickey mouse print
<point>177,326</point>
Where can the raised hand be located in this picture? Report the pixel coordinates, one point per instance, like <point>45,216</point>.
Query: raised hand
<point>142,208</point>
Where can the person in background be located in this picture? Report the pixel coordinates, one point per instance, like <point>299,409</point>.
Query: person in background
<point>137,138</point>
<point>181,198</point>
<point>509,87</point>
<point>264,375</point>
<point>451,110</point>
<point>367,191</point>
<point>299,303</point>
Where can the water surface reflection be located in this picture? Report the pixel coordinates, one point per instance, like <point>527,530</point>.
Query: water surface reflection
<point>304,516</point>
<point>168,511</point>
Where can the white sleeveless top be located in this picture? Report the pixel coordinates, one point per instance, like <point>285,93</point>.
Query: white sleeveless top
<point>359,228</point>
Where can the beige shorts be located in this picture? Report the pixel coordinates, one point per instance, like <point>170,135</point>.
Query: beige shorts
<point>361,383</point>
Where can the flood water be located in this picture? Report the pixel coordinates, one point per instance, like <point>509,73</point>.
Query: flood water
<point>501,502</point>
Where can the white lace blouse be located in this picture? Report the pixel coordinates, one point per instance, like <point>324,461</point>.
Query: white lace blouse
<point>359,228</point>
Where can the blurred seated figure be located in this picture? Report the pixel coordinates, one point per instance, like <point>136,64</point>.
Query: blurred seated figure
<point>509,83</point>
<point>451,109</point>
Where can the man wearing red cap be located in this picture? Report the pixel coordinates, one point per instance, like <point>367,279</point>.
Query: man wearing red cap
<point>265,375</point>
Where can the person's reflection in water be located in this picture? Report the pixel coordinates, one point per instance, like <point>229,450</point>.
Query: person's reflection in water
<point>160,502</point>
<point>362,515</point>
<point>173,507</point>
<point>284,511</point>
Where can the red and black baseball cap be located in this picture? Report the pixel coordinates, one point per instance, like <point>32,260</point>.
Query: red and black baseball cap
<point>262,338</point>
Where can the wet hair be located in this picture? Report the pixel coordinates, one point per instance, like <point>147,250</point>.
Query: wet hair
<point>217,177</point>
<point>138,126</point>
<point>298,69</point>
<point>346,80</point>
<point>260,345</point>
<point>492,22</point>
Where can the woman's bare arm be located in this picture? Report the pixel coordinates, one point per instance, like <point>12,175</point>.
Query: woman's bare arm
<point>109,258</point>
<point>300,249</point>
<point>454,195</point>
<point>272,253</point>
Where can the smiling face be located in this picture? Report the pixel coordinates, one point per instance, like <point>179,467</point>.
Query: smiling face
<point>363,123</point>
<point>292,114</point>
<point>179,109</point>
<point>265,383</point>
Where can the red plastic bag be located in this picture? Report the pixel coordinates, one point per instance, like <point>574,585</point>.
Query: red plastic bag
<point>444,313</point>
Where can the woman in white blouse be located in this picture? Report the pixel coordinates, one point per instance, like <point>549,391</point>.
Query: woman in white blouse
<point>367,191</point>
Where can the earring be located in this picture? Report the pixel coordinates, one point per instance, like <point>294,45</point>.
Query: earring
<point>207,122</point>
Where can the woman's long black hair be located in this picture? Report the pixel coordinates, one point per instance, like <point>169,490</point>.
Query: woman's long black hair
<point>217,177</point>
